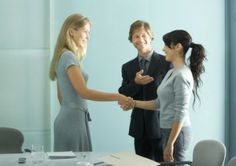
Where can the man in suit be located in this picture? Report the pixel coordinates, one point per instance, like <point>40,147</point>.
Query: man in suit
<point>141,77</point>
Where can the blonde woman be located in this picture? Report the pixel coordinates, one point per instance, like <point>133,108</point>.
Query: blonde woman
<point>71,129</point>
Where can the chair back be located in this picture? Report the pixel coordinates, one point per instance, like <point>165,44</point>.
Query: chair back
<point>232,161</point>
<point>209,153</point>
<point>11,140</point>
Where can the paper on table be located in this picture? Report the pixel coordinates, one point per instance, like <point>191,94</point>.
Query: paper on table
<point>61,155</point>
<point>127,159</point>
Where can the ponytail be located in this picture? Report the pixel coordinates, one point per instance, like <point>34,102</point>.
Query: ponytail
<point>196,65</point>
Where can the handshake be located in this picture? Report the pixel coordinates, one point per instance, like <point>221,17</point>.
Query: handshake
<point>126,103</point>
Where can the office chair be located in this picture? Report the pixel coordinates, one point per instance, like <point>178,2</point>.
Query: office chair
<point>205,153</point>
<point>232,161</point>
<point>11,140</point>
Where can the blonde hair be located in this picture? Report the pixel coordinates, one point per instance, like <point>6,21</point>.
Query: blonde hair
<point>65,42</point>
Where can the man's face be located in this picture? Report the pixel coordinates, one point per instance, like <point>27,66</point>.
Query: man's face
<point>141,39</point>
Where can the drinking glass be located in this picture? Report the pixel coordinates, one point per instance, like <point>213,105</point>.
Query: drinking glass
<point>83,159</point>
<point>37,154</point>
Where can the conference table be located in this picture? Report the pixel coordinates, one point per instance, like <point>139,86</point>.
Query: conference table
<point>80,159</point>
<point>12,159</point>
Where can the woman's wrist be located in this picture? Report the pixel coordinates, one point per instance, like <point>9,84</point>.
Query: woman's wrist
<point>170,144</point>
<point>118,96</point>
<point>135,103</point>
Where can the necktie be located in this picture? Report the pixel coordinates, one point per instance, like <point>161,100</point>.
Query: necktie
<point>143,65</point>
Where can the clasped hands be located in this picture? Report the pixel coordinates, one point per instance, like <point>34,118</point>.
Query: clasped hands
<point>126,103</point>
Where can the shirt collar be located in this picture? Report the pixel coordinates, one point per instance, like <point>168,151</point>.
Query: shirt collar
<point>148,58</point>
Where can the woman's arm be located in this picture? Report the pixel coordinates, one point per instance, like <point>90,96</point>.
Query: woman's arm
<point>78,83</point>
<point>148,105</point>
<point>169,149</point>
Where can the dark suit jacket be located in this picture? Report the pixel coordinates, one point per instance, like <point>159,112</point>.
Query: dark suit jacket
<point>143,122</point>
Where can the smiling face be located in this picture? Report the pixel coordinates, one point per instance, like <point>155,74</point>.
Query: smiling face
<point>80,36</point>
<point>141,39</point>
<point>172,52</point>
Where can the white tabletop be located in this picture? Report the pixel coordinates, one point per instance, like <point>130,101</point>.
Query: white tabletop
<point>12,159</point>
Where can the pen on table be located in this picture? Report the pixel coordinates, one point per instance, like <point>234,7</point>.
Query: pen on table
<point>98,163</point>
<point>114,156</point>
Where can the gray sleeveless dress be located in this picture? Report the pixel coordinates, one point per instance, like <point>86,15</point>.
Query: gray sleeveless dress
<point>71,129</point>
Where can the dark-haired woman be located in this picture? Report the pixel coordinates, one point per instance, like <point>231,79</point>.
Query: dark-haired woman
<point>175,92</point>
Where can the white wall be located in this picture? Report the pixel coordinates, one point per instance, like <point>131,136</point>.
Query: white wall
<point>24,54</point>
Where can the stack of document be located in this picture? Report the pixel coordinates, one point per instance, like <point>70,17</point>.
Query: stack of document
<point>61,155</point>
<point>127,159</point>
